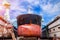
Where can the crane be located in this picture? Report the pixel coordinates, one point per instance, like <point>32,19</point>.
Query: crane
<point>6,5</point>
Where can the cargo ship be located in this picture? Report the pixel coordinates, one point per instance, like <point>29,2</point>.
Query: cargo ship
<point>29,26</point>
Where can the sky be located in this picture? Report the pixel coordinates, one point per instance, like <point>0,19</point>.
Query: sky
<point>48,9</point>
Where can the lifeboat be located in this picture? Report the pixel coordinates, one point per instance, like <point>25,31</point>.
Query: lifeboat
<point>29,25</point>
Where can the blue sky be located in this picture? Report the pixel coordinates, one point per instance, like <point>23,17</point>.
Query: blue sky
<point>48,9</point>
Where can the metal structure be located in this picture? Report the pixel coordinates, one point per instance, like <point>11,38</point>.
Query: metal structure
<point>6,4</point>
<point>7,30</point>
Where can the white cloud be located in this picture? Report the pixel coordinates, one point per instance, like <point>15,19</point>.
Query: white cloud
<point>55,8</point>
<point>46,7</point>
<point>41,14</point>
<point>18,8</point>
<point>0,1</point>
<point>22,9</point>
<point>50,8</point>
<point>30,1</point>
<point>13,4</point>
<point>36,2</point>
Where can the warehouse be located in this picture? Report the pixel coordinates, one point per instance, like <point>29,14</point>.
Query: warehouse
<point>54,27</point>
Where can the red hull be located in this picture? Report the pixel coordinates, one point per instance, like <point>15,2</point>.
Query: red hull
<point>29,30</point>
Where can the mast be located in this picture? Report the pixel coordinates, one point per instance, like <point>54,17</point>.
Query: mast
<point>7,7</point>
<point>29,10</point>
